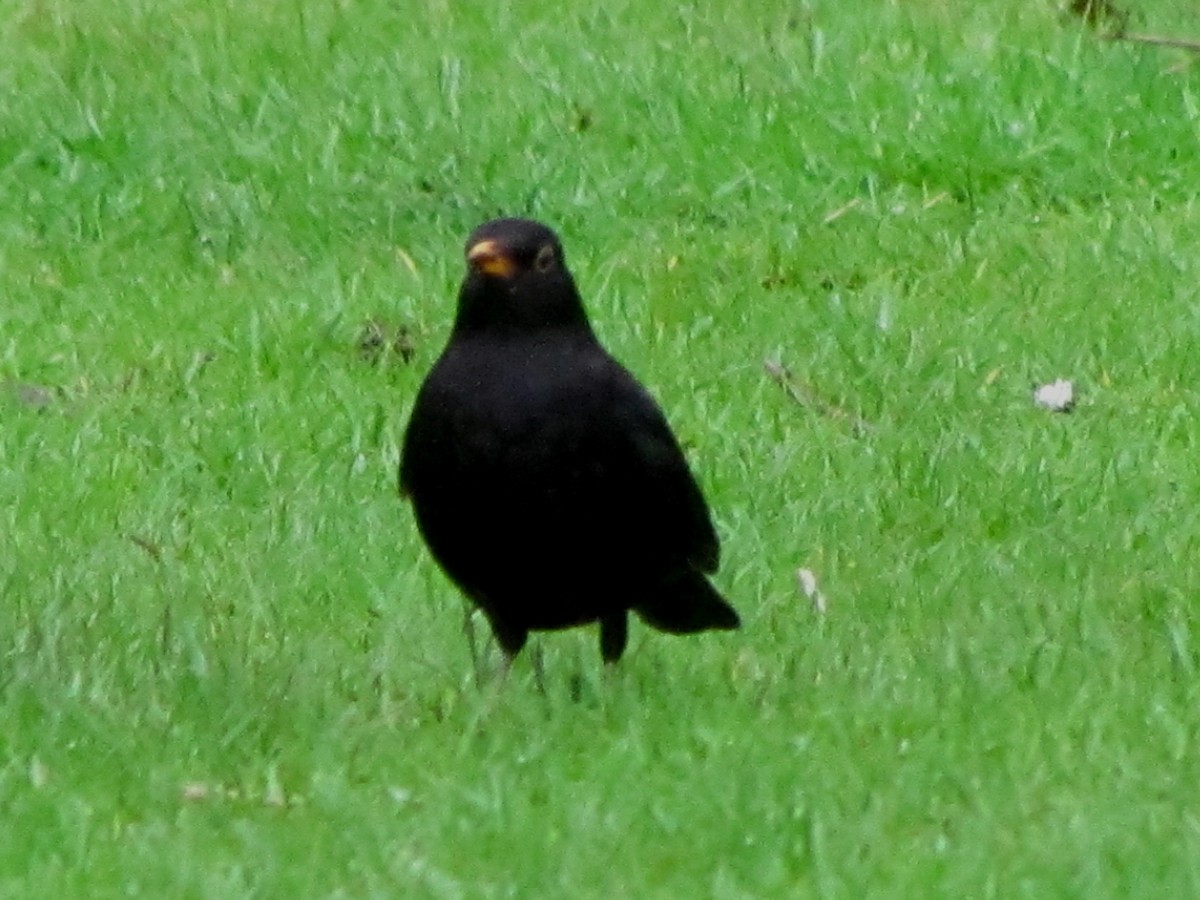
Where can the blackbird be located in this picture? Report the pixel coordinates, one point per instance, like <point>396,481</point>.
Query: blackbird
<point>545,479</point>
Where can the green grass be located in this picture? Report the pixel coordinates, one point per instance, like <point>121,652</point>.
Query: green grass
<point>228,667</point>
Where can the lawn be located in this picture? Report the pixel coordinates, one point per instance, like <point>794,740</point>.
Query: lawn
<point>229,668</point>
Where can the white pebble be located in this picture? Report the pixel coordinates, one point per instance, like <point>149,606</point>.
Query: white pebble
<point>1057,396</point>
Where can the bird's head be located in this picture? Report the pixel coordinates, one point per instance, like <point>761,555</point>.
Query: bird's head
<point>517,280</point>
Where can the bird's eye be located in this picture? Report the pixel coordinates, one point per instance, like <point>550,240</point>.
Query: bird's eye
<point>544,259</point>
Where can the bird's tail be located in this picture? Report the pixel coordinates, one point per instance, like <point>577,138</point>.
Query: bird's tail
<point>687,603</point>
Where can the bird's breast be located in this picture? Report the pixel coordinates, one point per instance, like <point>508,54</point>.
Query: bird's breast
<point>516,388</point>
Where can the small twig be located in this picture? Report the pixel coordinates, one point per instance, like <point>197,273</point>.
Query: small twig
<point>1156,40</point>
<point>153,550</point>
<point>1105,13</point>
<point>935,200</point>
<point>806,395</point>
<point>841,211</point>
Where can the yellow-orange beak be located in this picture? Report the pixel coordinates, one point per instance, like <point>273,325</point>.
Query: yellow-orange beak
<point>490,259</point>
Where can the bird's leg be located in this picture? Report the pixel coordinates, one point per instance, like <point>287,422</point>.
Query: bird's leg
<point>506,664</point>
<point>539,668</point>
<point>614,635</point>
<point>511,639</point>
<point>472,642</point>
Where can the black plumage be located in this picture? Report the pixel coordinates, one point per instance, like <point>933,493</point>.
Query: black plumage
<point>544,478</point>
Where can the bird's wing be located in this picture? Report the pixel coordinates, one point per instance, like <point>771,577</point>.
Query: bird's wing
<point>562,451</point>
<point>647,466</point>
